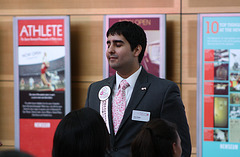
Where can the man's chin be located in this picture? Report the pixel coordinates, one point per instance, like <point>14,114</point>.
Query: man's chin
<point>113,66</point>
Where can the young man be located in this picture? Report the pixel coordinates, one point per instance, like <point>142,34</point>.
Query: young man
<point>143,97</point>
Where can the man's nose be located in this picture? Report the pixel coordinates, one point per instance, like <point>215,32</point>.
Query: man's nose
<point>111,49</point>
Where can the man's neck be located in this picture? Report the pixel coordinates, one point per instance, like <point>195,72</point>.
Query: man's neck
<point>125,75</point>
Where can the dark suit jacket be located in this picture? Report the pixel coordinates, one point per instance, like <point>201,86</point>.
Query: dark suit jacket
<point>161,98</point>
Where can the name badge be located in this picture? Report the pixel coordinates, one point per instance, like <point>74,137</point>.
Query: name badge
<point>142,116</point>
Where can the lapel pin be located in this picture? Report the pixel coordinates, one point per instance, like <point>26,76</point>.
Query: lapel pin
<point>143,88</point>
<point>104,93</point>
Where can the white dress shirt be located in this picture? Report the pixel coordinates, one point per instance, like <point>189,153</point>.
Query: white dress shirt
<point>131,80</point>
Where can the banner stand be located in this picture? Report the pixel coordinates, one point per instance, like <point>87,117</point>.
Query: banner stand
<point>42,82</point>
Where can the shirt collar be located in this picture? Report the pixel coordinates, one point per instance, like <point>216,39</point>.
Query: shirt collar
<point>131,79</point>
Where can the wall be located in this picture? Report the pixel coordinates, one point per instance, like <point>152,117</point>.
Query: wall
<point>86,19</point>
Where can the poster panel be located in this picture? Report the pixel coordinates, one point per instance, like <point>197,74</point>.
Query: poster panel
<point>41,80</point>
<point>218,99</point>
<point>154,59</point>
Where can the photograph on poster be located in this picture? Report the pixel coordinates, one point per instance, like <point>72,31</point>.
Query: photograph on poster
<point>235,82</point>
<point>220,88</point>
<point>151,59</point>
<point>41,68</point>
<point>220,135</point>
<point>234,60</point>
<point>234,112</point>
<point>220,71</point>
<point>221,55</point>
<point>234,130</point>
<point>221,112</point>
<point>235,98</point>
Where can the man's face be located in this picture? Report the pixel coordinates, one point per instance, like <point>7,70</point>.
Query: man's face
<point>119,54</point>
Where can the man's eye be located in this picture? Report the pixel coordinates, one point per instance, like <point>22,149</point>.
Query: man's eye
<point>118,45</point>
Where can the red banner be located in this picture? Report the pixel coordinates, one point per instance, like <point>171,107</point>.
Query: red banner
<point>41,32</point>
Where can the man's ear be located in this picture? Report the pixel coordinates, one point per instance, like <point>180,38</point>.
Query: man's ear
<point>137,50</point>
<point>174,145</point>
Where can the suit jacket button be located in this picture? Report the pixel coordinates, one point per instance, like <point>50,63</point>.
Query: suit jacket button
<point>115,149</point>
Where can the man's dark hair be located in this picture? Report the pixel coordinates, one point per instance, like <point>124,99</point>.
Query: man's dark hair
<point>133,33</point>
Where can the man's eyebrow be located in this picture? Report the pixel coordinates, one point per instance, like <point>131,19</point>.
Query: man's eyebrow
<point>115,41</point>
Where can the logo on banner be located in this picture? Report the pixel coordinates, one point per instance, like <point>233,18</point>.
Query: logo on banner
<point>41,32</point>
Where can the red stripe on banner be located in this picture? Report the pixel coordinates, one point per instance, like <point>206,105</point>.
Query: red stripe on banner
<point>208,88</point>
<point>209,71</point>
<point>36,136</point>
<point>209,54</point>
<point>208,111</point>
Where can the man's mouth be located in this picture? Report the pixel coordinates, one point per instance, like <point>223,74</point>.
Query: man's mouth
<point>113,57</point>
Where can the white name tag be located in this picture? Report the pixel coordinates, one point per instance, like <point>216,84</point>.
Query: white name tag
<point>142,116</point>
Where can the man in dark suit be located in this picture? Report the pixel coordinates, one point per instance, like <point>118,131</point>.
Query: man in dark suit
<point>146,97</point>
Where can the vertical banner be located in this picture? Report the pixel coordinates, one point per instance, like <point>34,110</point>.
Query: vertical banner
<point>154,59</point>
<point>41,80</point>
<point>218,99</point>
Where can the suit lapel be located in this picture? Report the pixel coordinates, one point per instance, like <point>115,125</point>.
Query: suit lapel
<point>139,91</point>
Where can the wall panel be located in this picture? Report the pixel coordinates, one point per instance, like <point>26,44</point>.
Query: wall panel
<point>189,93</point>
<point>212,6</point>
<point>7,113</point>
<point>79,95</point>
<point>6,48</point>
<point>86,48</point>
<point>189,48</point>
<point>6,147</point>
<point>43,7</point>
<point>6,83</point>
<point>173,50</point>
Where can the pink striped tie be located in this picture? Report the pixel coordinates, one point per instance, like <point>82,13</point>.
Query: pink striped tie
<point>119,104</point>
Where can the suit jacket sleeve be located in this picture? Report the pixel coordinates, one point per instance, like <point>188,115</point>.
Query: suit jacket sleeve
<point>92,100</point>
<point>173,110</point>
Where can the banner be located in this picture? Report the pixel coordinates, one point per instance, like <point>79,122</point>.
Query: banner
<point>218,85</point>
<point>154,60</point>
<point>41,81</point>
